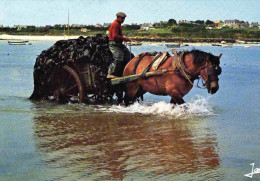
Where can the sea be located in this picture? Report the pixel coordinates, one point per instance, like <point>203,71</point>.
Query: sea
<point>210,137</point>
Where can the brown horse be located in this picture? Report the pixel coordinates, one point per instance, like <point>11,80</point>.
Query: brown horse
<point>177,81</point>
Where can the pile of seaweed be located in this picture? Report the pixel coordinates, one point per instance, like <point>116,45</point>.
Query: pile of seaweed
<point>93,50</point>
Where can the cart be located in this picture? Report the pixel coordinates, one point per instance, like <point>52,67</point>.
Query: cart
<point>75,71</point>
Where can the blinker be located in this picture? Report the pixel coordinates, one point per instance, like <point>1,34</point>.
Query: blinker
<point>217,70</point>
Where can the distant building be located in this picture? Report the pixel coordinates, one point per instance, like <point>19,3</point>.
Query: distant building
<point>254,25</point>
<point>78,26</point>
<point>217,22</point>
<point>244,24</point>
<point>233,24</point>
<point>98,25</point>
<point>106,25</point>
<point>1,26</point>
<point>146,26</point>
<point>20,27</point>
<point>84,30</point>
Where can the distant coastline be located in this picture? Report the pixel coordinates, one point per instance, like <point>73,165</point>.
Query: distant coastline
<point>230,31</point>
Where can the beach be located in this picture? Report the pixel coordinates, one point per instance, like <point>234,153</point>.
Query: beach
<point>57,38</point>
<point>36,38</point>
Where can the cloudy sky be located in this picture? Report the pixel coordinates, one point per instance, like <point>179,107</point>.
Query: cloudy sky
<point>50,12</point>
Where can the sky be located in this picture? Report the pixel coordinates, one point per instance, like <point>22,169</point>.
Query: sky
<point>51,12</point>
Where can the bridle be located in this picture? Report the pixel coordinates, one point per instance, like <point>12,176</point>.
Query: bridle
<point>211,70</point>
<point>216,70</point>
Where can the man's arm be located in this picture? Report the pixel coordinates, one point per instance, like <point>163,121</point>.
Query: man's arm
<point>115,33</point>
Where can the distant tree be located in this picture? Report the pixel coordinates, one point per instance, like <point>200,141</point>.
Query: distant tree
<point>208,22</point>
<point>132,27</point>
<point>156,25</point>
<point>176,30</point>
<point>31,28</point>
<point>200,22</point>
<point>172,22</point>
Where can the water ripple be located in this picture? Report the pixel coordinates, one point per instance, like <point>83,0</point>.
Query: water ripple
<point>199,106</point>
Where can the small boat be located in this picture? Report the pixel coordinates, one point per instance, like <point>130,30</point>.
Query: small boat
<point>134,43</point>
<point>247,46</point>
<point>241,42</point>
<point>216,44</point>
<point>18,42</point>
<point>156,44</point>
<point>228,45</point>
<point>184,45</point>
<point>173,45</point>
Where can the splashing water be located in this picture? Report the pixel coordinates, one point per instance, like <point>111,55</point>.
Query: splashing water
<point>198,106</point>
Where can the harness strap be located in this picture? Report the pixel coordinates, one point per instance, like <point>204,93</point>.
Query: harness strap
<point>183,70</point>
<point>140,56</point>
<point>150,65</point>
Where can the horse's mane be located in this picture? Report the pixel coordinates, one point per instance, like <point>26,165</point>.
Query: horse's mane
<point>200,57</point>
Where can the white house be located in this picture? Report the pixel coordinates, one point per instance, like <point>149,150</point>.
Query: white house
<point>106,25</point>
<point>146,26</point>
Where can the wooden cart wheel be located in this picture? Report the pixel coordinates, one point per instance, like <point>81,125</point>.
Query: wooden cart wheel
<point>66,86</point>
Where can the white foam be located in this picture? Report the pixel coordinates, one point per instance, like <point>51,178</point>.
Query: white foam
<point>198,106</point>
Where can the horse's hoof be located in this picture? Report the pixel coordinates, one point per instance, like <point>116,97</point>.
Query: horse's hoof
<point>185,107</point>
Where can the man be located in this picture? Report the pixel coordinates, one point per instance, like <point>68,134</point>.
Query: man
<point>116,46</point>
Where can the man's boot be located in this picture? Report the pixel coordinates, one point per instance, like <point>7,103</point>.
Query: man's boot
<point>113,70</point>
<point>110,76</point>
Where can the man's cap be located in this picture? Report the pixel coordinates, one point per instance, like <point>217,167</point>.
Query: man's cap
<point>121,14</point>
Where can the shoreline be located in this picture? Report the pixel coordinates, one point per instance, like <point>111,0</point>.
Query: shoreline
<point>6,37</point>
<point>35,38</point>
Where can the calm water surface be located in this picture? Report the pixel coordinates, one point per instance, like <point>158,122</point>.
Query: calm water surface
<point>214,138</point>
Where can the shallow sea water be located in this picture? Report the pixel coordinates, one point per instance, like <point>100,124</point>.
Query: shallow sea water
<point>212,137</point>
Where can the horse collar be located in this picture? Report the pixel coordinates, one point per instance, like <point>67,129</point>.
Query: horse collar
<point>183,70</point>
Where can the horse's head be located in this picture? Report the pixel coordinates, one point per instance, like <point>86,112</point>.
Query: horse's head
<point>210,72</point>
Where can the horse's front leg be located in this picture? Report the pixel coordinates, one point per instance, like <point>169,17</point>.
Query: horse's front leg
<point>177,100</point>
<point>130,93</point>
<point>176,97</point>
